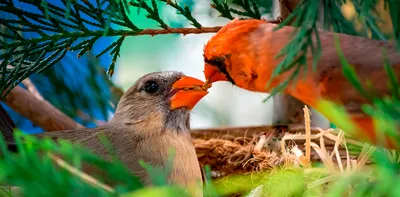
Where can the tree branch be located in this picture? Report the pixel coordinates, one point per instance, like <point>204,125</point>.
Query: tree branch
<point>32,89</point>
<point>286,7</point>
<point>183,31</point>
<point>41,113</point>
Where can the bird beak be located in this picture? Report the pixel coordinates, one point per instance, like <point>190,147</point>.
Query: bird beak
<point>187,91</point>
<point>212,74</point>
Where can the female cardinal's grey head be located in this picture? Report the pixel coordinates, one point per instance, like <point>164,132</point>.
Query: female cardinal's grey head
<point>160,100</point>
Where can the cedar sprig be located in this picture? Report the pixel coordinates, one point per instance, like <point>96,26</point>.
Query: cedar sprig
<point>32,41</point>
<point>249,7</point>
<point>184,11</point>
<point>222,8</point>
<point>294,53</point>
<point>305,18</point>
<point>393,7</point>
<point>54,31</point>
<point>366,14</point>
<point>152,12</point>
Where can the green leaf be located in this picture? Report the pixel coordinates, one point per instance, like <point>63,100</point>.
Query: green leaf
<point>158,191</point>
<point>159,174</point>
<point>348,70</point>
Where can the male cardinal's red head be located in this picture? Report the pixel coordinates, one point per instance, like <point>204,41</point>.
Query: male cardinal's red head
<point>227,47</point>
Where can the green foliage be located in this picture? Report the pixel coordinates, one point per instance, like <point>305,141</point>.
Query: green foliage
<point>249,8</point>
<point>222,8</point>
<point>306,14</point>
<point>185,11</point>
<point>158,174</point>
<point>348,70</point>
<point>152,11</point>
<point>277,183</point>
<point>57,33</point>
<point>158,191</point>
<point>60,30</point>
<point>305,17</point>
<point>35,173</point>
<point>380,180</point>
<point>77,26</point>
<point>386,110</point>
<point>393,6</point>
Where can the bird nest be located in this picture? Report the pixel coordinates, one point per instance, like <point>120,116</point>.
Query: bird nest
<point>255,149</point>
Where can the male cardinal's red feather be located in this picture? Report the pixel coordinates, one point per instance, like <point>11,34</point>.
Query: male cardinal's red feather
<point>244,53</point>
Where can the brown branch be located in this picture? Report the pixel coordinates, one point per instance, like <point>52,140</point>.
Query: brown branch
<point>41,113</point>
<point>286,7</point>
<point>32,89</point>
<point>183,31</point>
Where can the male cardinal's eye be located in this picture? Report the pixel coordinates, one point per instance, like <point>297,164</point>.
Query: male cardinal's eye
<point>151,87</point>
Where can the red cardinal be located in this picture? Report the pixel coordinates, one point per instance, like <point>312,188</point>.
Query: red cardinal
<point>244,53</point>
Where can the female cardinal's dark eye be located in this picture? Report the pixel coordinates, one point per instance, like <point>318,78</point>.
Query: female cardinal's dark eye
<point>151,87</point>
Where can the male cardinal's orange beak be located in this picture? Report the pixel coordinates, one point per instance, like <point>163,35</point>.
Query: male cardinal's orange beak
<point>187,91</point>
<point>212,74</point>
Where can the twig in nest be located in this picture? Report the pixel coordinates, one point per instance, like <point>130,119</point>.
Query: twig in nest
<point>85,177</point>
<point>307,122</point>
<point>260,143</point>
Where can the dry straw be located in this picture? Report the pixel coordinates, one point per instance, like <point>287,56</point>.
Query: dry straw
<point>241,155</point>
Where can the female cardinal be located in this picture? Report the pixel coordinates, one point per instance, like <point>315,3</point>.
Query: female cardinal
<point>151,117</point>
<point>244,53</point>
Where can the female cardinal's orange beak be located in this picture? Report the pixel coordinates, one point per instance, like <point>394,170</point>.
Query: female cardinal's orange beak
<point>187,91</point>
<point>212,74</point>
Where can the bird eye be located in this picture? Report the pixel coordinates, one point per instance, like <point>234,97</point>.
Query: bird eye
<point>151,87</point>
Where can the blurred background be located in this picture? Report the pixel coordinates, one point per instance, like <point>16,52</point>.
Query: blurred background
<point>225,105</point>
<point>79,87</point>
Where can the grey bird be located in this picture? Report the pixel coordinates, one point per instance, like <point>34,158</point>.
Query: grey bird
<point>152,116</point>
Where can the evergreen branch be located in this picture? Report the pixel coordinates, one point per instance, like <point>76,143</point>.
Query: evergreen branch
<point>365,10</point>
<point>153,13</point>
<point>55,32</point>
<point>245,4</point>
<point>395,15</point>
<point>126,18</point>
<point>349,71</point>
<point>250,8</point>
<point>185,11</point>
<point>333,16</point>
<point>306,14</point>
<point>222,8</point>
<point>115,54</point>
<point>394,83</point>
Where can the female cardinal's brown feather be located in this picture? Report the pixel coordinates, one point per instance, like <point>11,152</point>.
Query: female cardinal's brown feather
<point>145,127</point>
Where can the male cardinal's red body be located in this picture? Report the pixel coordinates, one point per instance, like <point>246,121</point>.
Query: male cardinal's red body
<point>244,53</point>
